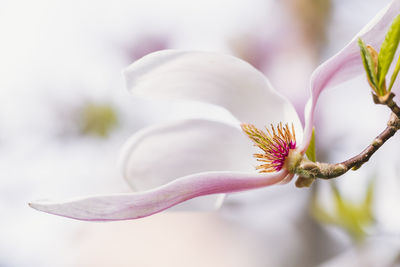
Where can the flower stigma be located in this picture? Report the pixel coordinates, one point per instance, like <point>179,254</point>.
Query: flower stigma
<point>278,144</point>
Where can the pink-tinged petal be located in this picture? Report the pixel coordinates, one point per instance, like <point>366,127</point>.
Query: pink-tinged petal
<point>347,63</point>
<point>212,78</point>
<point>142,204</point>
<point>287,178</point>
<point>157,155</point>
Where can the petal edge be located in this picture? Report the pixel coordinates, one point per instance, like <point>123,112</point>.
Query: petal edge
<point>212,78</point>
<point>138,205</point>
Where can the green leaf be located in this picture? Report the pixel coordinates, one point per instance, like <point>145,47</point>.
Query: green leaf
<point>394,75</point>
<point>353,217</point>
<point>321,214</point>
<point>311,155</point>
<point>369,65</point>
<point>388,50</point>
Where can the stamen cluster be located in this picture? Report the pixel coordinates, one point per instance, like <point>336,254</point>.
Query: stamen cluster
<point>276,145</point>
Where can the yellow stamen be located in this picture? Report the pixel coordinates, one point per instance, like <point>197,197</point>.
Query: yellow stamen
<point>275,144</point>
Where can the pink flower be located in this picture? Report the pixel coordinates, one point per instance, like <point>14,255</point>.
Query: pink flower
<point>172,163</point>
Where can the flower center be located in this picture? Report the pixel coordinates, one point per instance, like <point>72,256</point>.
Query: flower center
<point>276,144</point>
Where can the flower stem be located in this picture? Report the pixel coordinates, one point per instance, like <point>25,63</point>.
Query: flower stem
<point>312,170</point>
<point>357,161</point>
<point>387,101</point>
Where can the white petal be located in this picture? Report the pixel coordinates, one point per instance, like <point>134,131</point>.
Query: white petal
<point>137,205</point>
<point>213,78</point>
<point>157,155</point>
<point>347,63</point>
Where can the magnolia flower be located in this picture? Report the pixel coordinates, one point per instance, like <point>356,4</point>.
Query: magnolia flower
<point>172,163</point>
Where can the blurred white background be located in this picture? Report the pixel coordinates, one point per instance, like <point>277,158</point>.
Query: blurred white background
<point>64,113</point>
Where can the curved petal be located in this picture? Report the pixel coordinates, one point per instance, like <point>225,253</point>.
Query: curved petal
<point>347,63</point>
<point>138,205</point>
<point>157,155</point>
<point>213,78</point>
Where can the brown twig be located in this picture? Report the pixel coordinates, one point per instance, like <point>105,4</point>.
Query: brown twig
<point>364,156</point>
<point>309,169</point>
<point>387,101</point>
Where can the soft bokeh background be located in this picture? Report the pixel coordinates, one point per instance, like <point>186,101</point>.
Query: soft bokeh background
<point>64,113</point>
